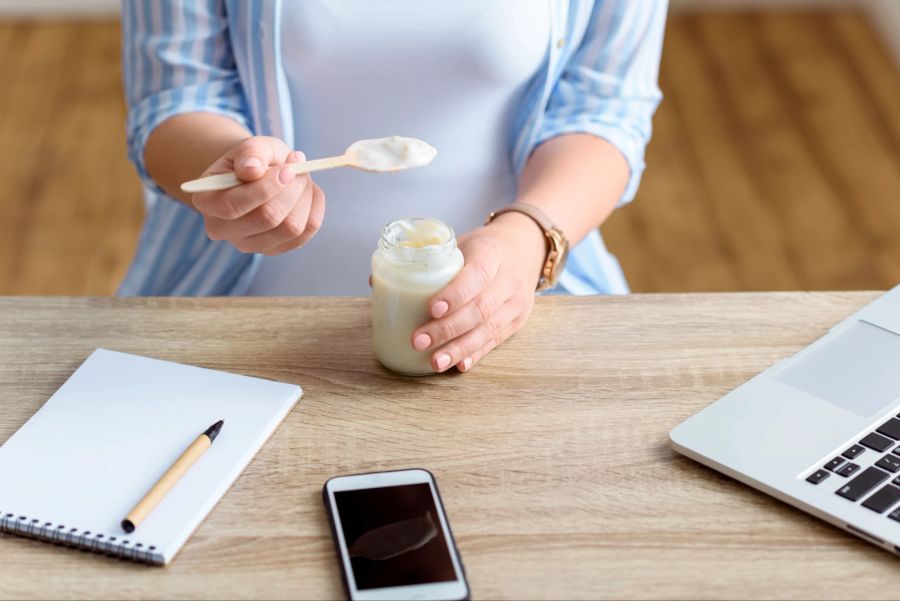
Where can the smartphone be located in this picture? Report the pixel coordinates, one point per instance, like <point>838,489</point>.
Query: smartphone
<point>392,537</point>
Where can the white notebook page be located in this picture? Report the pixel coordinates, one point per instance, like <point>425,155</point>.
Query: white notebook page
<point>119,422</point>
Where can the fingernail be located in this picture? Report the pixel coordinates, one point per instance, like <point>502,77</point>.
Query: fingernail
<point>286,175</point>
<point>296,156</point>
<point>251,163</point>
<point>442,360</point>
<point>439,309</point>
<point>467,363</point>
<point>422,342</point>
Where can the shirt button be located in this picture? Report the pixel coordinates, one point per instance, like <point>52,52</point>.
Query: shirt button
<point>560,42</point>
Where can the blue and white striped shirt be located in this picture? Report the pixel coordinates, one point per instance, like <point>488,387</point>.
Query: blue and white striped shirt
<point>224,57</point>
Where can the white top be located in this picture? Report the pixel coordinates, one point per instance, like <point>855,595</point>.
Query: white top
<point>451,74</point>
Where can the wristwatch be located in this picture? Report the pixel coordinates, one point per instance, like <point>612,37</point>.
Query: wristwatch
<point>558,250</point>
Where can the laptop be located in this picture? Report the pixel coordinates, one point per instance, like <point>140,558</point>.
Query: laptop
<point>819,430</point>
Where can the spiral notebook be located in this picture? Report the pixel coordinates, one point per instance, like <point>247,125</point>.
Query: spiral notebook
<point>76,468</point>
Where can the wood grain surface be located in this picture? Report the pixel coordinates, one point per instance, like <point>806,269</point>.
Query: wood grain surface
<point>552,455</point>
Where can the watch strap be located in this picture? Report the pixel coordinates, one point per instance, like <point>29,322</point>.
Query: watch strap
<point>538,216</point>
<point>556,240</point>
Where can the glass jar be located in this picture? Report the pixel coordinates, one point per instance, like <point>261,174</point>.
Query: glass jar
<point>415,258</point>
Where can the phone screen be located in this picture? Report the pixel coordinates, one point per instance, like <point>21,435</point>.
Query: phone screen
<point>394,536</point>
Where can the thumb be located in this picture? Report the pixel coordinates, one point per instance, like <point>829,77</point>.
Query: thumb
<point>253,156</point>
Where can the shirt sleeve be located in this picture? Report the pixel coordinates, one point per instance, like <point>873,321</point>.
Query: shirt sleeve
<point>176,58</point>
<point>608,87</point>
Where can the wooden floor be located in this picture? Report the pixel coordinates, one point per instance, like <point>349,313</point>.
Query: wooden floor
<point>70,203</point>
<point>775,162</point>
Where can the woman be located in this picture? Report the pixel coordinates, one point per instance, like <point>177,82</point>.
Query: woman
<point>540,105</point>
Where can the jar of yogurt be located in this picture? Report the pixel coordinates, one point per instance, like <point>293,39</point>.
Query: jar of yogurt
<point>415,258</point>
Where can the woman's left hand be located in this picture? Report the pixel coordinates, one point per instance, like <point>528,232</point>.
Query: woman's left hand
<point>491,297</point>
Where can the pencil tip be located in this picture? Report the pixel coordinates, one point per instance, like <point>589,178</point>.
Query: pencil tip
<point>214,429</point>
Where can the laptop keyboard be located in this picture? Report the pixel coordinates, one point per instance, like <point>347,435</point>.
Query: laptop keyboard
<point>877,486</point>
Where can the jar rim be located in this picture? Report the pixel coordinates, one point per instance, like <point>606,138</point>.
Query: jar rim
<point>395,233</point>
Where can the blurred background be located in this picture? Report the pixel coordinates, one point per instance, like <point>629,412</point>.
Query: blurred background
<point>775,161</point>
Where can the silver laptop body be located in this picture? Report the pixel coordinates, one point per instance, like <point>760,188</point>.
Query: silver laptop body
<point>819,429</point>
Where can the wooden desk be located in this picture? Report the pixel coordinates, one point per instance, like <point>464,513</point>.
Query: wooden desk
<point>552,455</point>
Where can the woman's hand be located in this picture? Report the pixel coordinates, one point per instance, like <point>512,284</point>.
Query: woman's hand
<point>491,297</point>
<point>274,211</point>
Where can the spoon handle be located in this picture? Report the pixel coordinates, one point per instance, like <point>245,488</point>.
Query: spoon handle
<point>223,181</point>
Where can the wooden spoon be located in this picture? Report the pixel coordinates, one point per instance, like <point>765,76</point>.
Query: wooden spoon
<point>380,155</point>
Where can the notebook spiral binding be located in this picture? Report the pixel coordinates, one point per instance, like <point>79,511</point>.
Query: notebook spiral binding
<point>59,534</point>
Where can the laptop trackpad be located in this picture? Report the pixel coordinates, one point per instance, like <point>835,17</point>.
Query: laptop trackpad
<point>857,370</point>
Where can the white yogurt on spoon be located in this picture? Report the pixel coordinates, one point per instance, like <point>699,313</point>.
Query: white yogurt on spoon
<point>395,153</point>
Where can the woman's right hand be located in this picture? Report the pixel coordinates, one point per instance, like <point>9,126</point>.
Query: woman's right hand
<point>273,211</point>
